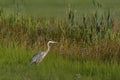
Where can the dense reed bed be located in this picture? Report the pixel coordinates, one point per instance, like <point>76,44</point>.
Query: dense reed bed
<point>94,36</point>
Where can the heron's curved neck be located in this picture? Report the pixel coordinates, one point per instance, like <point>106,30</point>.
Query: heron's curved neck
<point>48,48</point>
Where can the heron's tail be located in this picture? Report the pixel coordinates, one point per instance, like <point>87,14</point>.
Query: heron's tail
<point>31,61</point>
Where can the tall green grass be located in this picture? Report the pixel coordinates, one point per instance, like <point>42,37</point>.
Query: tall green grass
<point>14,65</point>
<point>88,46</point>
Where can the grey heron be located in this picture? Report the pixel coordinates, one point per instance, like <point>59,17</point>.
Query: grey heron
<point>38,57</point>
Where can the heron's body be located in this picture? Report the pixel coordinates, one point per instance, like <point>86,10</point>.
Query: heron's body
<point>38,57</point>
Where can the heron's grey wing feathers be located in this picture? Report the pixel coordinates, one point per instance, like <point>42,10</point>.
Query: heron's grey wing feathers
<point>36,57</point>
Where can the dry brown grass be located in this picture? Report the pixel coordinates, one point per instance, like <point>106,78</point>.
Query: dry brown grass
<point>77,41</point>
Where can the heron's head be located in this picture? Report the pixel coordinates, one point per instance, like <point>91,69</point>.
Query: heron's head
<point>51,42</point>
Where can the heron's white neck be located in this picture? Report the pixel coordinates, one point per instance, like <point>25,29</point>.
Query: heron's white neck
<point>48,48</point>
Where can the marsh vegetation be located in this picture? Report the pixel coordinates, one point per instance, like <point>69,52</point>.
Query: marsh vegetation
<point>88,46</point>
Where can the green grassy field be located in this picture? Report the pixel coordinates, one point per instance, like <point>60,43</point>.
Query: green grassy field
<point>88,45</point>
